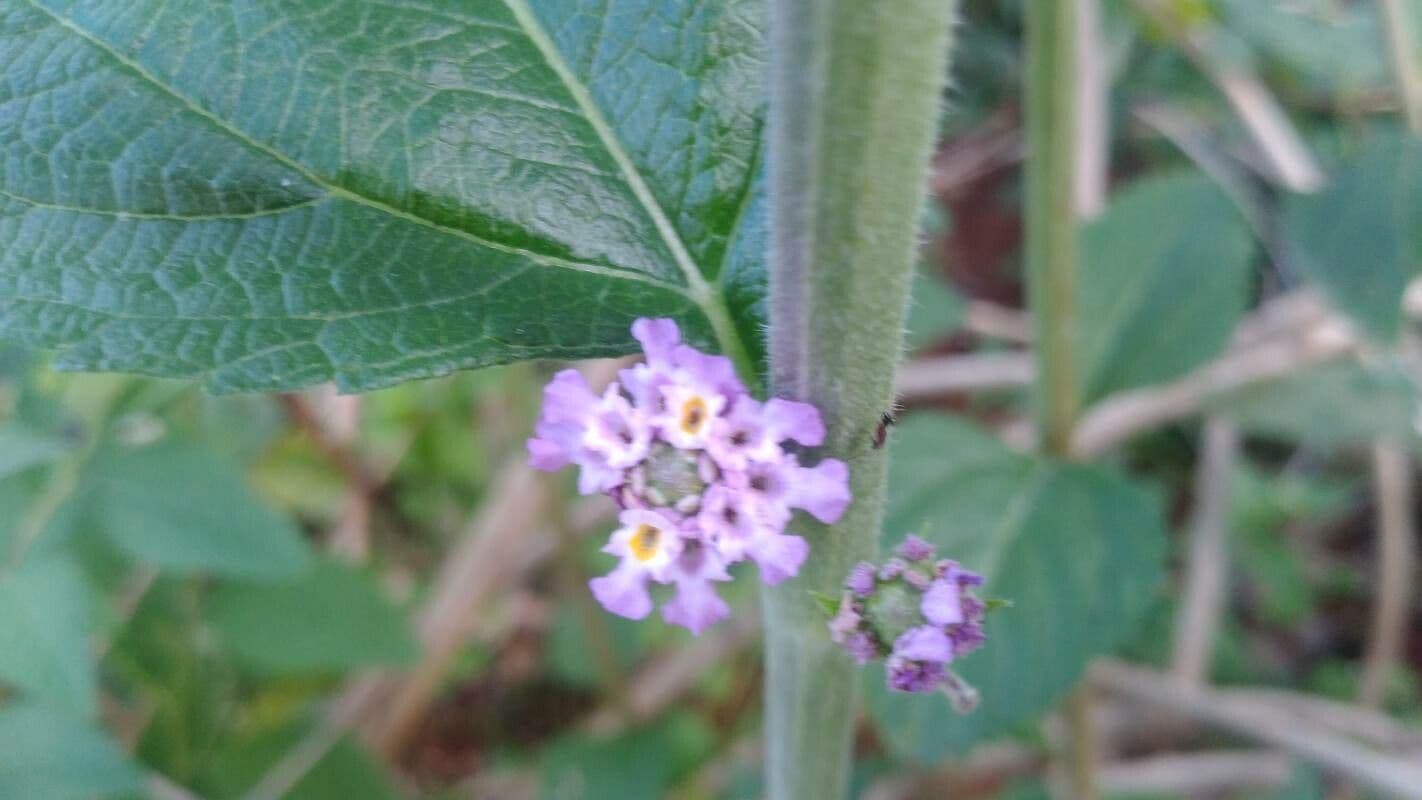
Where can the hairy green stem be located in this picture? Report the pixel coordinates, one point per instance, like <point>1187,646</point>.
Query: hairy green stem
<point>1051,115</point>
<point>855,97</point>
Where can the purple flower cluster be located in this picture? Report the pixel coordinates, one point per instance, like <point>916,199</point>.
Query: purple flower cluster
<point>699,469</point>
<point>916,612</point>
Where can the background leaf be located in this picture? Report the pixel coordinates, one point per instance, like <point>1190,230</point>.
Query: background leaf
<point>22,448</point>
<point>1358,238</point>
<point>1159,296</point>
<point>48,754</point>
<point>333,617</point>
<point>177,506</point>
<point>45,607</point>
<point>373,192</point>
<point>1078,550</point>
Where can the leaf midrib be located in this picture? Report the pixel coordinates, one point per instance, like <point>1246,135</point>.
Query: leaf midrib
<point>693,292</point>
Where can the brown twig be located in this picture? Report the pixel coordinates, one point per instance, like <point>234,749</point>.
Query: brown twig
<point>931,378</point>
<point>1271,725</point>
<point>1201,773</point>
<point>1198,619</point>
<point>1290,161</point>
<point>1396,565</point>
<point>664,680</point>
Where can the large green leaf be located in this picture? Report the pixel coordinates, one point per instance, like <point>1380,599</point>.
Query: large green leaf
<point>53,756</point>
<point>1165,277</point>
<point>1359,238</point>
<point>177,506</point>
<point>1079,551</point>
<point>44,634</point>
<point>332,618</point>
<point>267,194</point>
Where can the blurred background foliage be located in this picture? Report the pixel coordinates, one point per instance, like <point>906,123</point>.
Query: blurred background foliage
<point>324,597</point>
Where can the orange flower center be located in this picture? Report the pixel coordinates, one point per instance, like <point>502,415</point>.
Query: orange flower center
<point>693,416</point>
<point>644,542</point>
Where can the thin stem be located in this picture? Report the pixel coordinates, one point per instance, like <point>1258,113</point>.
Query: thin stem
<point>1051,213</point>
<point>1401,44</point>
<point>1053,35</point>
<point>855,97</point>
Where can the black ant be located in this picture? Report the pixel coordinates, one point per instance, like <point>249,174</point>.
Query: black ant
<point>881,433</point>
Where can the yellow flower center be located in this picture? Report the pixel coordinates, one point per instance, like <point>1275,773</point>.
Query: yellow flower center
<point>644,542</point>
<point>693,416</point>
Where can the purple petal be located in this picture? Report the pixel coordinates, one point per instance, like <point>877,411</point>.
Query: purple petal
<point>659,338</point>
<point>548,455</point>
<point>822,490</point>
<point>717,372</point>
<point>696,606</point>
<point>800,422</point>
<point>915,549</point>
<point>845,623</point>
<point>779,556</point>
<point>861,579</point>
<point>942,603</point>
<point>567,398</point>
<point>861,648</point>
<point>623,592</point>
<point>914,676</point>
<point>924,643</point>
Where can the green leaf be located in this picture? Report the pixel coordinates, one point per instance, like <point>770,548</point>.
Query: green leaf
<point>1331,405</point>
<point>22,448</point>
<point>1359,238</point>
<point>1078,550</point>
<point>269,195</point>
<point>1165,278</point>
<point>44,635</point>
<point>179,507</point>
<point>934,309</point>
<point>1335,47</point>
<point>637,765</point>
<point>57,757</point>
<point>345,773</point>
<point>332,618</point>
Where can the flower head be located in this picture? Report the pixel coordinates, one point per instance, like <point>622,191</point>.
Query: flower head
<point>917,614</point>
<point>700,469</point>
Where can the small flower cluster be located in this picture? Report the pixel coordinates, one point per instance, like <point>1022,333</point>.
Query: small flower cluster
<point>698,468</point>
<point>915,611</point>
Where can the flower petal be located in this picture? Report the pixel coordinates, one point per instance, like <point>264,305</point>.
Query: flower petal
<point>924,643</point>
<point>696,606</point>
<point>800,422</point>
<point>659,338</point>
<point>942,603</point>
<point>822,490</point>
<point>623,592</point>
<point>779,556</point>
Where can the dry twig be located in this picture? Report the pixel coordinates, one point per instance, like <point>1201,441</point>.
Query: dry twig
<point>1206,571</point>
<point>1272,725</point>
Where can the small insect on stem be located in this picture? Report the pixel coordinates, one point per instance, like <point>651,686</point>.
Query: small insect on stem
<point>881,433</point>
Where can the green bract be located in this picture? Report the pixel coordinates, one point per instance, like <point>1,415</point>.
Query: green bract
<point>266,195</point>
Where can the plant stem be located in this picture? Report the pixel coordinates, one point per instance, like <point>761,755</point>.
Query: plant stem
<point>1051,214</point>
<point>855,97</point>
<point>1052,126</point>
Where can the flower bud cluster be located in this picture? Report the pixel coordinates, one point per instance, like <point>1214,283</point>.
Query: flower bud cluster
<point>915,612</point>
<point>699,468</point>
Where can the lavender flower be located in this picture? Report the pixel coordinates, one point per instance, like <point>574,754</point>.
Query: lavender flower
<point>699,468</point>
<point>915,613</point>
